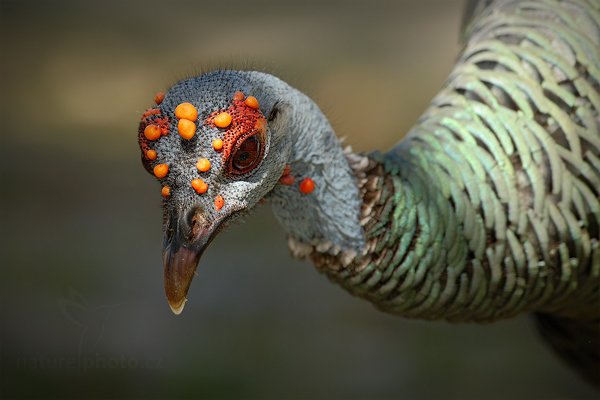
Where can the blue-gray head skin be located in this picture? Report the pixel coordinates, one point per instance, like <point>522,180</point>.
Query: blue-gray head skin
<point>287,135</point>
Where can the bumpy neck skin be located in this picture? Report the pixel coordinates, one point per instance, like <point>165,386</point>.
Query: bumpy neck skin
<point>329,216</point>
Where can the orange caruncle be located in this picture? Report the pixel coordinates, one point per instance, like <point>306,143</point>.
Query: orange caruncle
<point>286,180</point>
<point>219,202</point>
<point>186,111</point>
<point>251,102</point>
<point>186,128</point>
<point>199,186</point>
<point>152,132</point>
<point>217,144</point>
<point>307,185</point>
<point>238,96</point>
<point>222,120</point>
<point>151,154</point>
<point>203,165</point>
<point>161,170</point>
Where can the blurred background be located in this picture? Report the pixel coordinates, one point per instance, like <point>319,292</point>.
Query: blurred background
<point>83,310</point>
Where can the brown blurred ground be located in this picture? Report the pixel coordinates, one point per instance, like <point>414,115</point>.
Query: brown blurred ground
<point>83,312</point>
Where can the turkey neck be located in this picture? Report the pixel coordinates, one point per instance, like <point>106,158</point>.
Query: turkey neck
<point>421,257</point>
<point>491,205</point>
<point>414,259</point>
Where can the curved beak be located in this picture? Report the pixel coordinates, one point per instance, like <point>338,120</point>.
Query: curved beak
<point>181,252</point>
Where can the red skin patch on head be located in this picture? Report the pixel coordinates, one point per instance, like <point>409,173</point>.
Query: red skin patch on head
<point>152,116</point>
<point>245,121</point>
<point>149,112</point>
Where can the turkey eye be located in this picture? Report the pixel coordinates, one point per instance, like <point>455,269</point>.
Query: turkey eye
<point>247,155</point>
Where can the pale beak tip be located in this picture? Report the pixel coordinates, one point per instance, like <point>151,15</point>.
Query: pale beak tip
<point>177,307</point>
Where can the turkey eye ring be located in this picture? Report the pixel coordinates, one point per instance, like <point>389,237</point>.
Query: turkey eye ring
<point>247,155</point>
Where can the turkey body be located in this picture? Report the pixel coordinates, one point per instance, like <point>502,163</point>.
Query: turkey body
<point>491,205</point>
